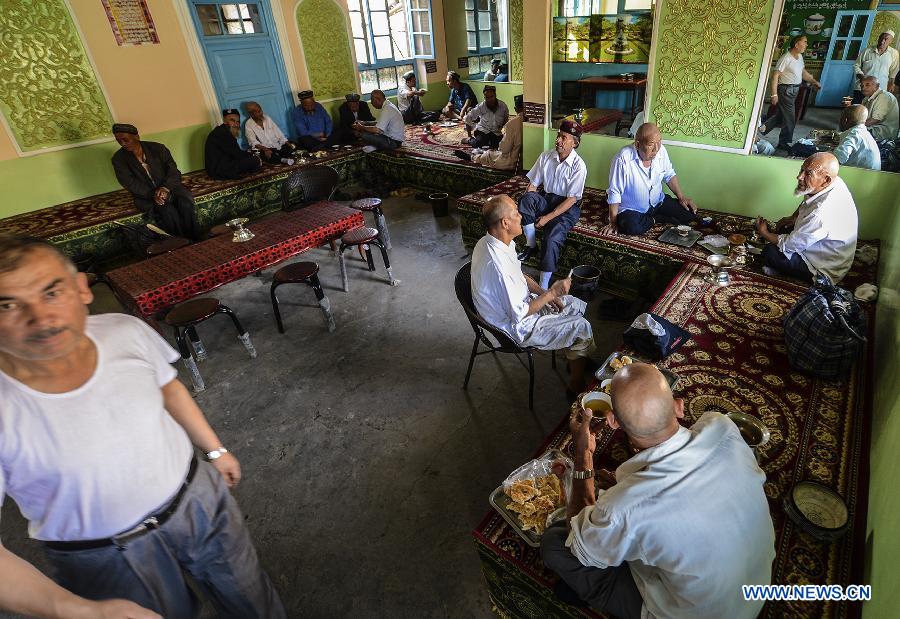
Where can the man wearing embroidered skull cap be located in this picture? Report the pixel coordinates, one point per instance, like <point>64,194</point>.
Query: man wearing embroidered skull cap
<point>148,171</point>
<point>352,110</point>
<point>552,202</point>
<point>312,123</point>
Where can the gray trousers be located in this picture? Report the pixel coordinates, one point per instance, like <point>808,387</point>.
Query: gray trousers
<point>785,114</point>
<point>379,141</point>
<point>205,538</point>
<point>611,590</point>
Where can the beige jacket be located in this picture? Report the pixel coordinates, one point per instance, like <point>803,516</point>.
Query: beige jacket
<point>507,155</point>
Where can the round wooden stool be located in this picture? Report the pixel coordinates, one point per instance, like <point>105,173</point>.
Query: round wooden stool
<point>373,205</point>
<point>364,236</point>
<point>166,245</point>
<point>301,273</point>
<point>185,317</point>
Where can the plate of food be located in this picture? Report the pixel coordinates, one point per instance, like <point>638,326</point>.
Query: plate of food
<point>617,360</point>
<point>533,494</point>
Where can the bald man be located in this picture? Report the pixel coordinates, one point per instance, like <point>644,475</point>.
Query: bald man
<point>820,236</point>
<point>685,523</point>
<point>513,302</point>
<point>635,194</point>
<point>884,111</point>
<point>857,147</point>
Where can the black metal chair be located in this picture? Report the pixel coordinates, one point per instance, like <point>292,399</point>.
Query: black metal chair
<point>308,185</point>
<point>482,328</point>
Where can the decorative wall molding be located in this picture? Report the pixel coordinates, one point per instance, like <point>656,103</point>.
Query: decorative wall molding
<point>707,69</point>
<point>516,57</point>
<point>50,95</point>
<point>326,46</point>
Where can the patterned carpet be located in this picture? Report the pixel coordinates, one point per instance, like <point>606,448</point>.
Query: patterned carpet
<point>595,215</point>
<point>439,146</point>
<point>92,210</point>
<point>736,361</point>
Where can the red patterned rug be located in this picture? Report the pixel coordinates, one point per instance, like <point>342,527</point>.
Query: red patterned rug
<point>438,146</point>
<point>595,215</point>
<point>736,361</point>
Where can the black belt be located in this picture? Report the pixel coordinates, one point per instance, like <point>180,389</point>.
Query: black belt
<point>148,524</point>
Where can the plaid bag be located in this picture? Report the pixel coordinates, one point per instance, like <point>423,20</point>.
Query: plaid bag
<point>823,331</point>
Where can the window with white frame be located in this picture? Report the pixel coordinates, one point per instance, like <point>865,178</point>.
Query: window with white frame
<point>584,8</point>
<point>486,26</point>
<point>387,36</point>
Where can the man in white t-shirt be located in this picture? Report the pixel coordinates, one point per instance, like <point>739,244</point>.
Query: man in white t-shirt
<point>682,524</point>
<point>96,449</point>
<point>389,131</point>
<point>787,76</point>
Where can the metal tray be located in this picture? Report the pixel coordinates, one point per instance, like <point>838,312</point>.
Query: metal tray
<point>605,371</point>
<point>722,251</point>
<point>672,237</point>
<point>500,501</point>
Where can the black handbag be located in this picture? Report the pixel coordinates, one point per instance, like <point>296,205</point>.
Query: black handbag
<point>654,337</point>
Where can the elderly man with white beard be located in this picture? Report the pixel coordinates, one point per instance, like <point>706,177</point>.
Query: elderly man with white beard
<point>820,236</point>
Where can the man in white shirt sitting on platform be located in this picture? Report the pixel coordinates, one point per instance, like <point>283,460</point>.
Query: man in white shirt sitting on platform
<point>552,202</point>
<point>515,303</point>
<point>884,113</point>
<point>265,137</point>
<point>820,236</point>
<point>857,147</point>
<point>485,121</point>
<point>97,439</point>
<point>635,194</point>
<point>684,524</point>
<point>389,131</point>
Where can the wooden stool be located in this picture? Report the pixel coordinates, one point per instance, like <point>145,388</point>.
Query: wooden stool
<point>185,317</point>
<point>374,205</point>
<point>166,245</point>
<point>365,237</point>
<point>301,273</point>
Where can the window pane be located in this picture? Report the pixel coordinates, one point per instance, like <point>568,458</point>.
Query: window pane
<point>419,4</point>
<point>403,68</point>
<point>399,36</point>
<point>637,5</point>
<point>470,20</point>
<point>472,44</point>
<point>423,45</point>
<point>362,52</point>
<point>253,13</point>
<point>474,64</point>
<point>844,28</point>
<point>248,27</point>
<point>387,78</point>
<point>383,48</point>
<point>356,25</point>
<point>233,27</point>
<point>470,4</point>
<point>380,23</point>
<point>611,7</point>
<point>368,81</point>
<point>853,49</point>
<point>353,5</point>
<point>484,5</point>
<point>859,29</point>
<point>208,16</point>
<point>484,21</point>
<point>230,11</point>
<point>838,52</point>
<point>420,21</point>
<point>484,38</point>
<point>377,5</point>
<point>245,14</point>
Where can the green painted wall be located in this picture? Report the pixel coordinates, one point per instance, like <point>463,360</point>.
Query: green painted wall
<point>698,93</point>
<point>883,533</point>
<point>326,45</point>
<point>737,183</point>
<point>32,183</point>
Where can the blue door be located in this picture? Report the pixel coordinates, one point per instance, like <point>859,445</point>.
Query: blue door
<point>849,38</point>
<point>244,59</point>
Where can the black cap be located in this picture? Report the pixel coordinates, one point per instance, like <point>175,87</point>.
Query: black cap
<point>304,94</point>
<point>352,97</point>
<point>229,111</point>
<point>489,87</point>
<point>517,100</point>
<point>124,128</point>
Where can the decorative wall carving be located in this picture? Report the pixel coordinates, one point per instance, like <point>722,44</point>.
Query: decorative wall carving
<point>708,59</point>
<point>326,45</point>
<point>516,55</point>
<point>49,93</point>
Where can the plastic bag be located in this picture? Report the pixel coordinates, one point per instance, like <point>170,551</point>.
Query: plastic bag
<point>540,467</point>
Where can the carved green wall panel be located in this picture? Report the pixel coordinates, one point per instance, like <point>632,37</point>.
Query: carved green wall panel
<point>49,93</point>
<point>326,45</point>
<point>708,58</point>
<point>884,21</point>
<point>516,56</point>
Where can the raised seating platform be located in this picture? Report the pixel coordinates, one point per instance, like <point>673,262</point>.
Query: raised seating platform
<point>631,266</point>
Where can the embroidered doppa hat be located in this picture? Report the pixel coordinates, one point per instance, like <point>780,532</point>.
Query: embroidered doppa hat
<point>517,101</point>
<point>572,128</point>
<point>304,94</point>
<point>489,87</point>
<point>353,97</point>
<point>229,111</point>
<point>124,128</point>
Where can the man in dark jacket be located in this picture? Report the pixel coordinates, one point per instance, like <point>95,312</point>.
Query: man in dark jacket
<point>224,158</point>
<point>352,110</point>
<point>147,170</point>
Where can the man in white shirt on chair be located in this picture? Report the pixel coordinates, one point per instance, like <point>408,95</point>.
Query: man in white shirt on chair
<point>820,236</point>
<point>857,147</point>
<point>513,302</point>
<point>683,524</point>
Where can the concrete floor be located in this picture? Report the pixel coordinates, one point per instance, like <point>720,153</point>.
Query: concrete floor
<point>365,464</point>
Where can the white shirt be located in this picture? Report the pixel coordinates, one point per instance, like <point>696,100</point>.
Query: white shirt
<point>857,148</point>
<point>269,135</point>
<point>882,66</point>
<point>486,120</point>
<point>507,155</point>
<point>691,519</point>
<point>825,232</point>
<point>390,121</point>
<point>93,462</point>
<point>882,107</point>
<point>791,69</point>
<point>404,97</point>
<point>562,178</point>
<point>634,187</point>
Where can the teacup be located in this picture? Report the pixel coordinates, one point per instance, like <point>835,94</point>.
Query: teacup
<point>598,402</point>
<point>683,230</point>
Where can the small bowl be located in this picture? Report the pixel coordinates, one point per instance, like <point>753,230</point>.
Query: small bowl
<point>683,230</point>
<point>753,431</point>
<point>737,239</point>
<point>818,510</point>
<point>719,261</point>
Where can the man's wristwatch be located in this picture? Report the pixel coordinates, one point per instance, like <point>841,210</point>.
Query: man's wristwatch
<point>215,454</point>
<point>583,474</point>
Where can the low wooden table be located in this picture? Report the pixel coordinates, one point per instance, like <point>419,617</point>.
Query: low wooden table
<point>590,86</point>
<point>153,285</point>
<point>595,118</point>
